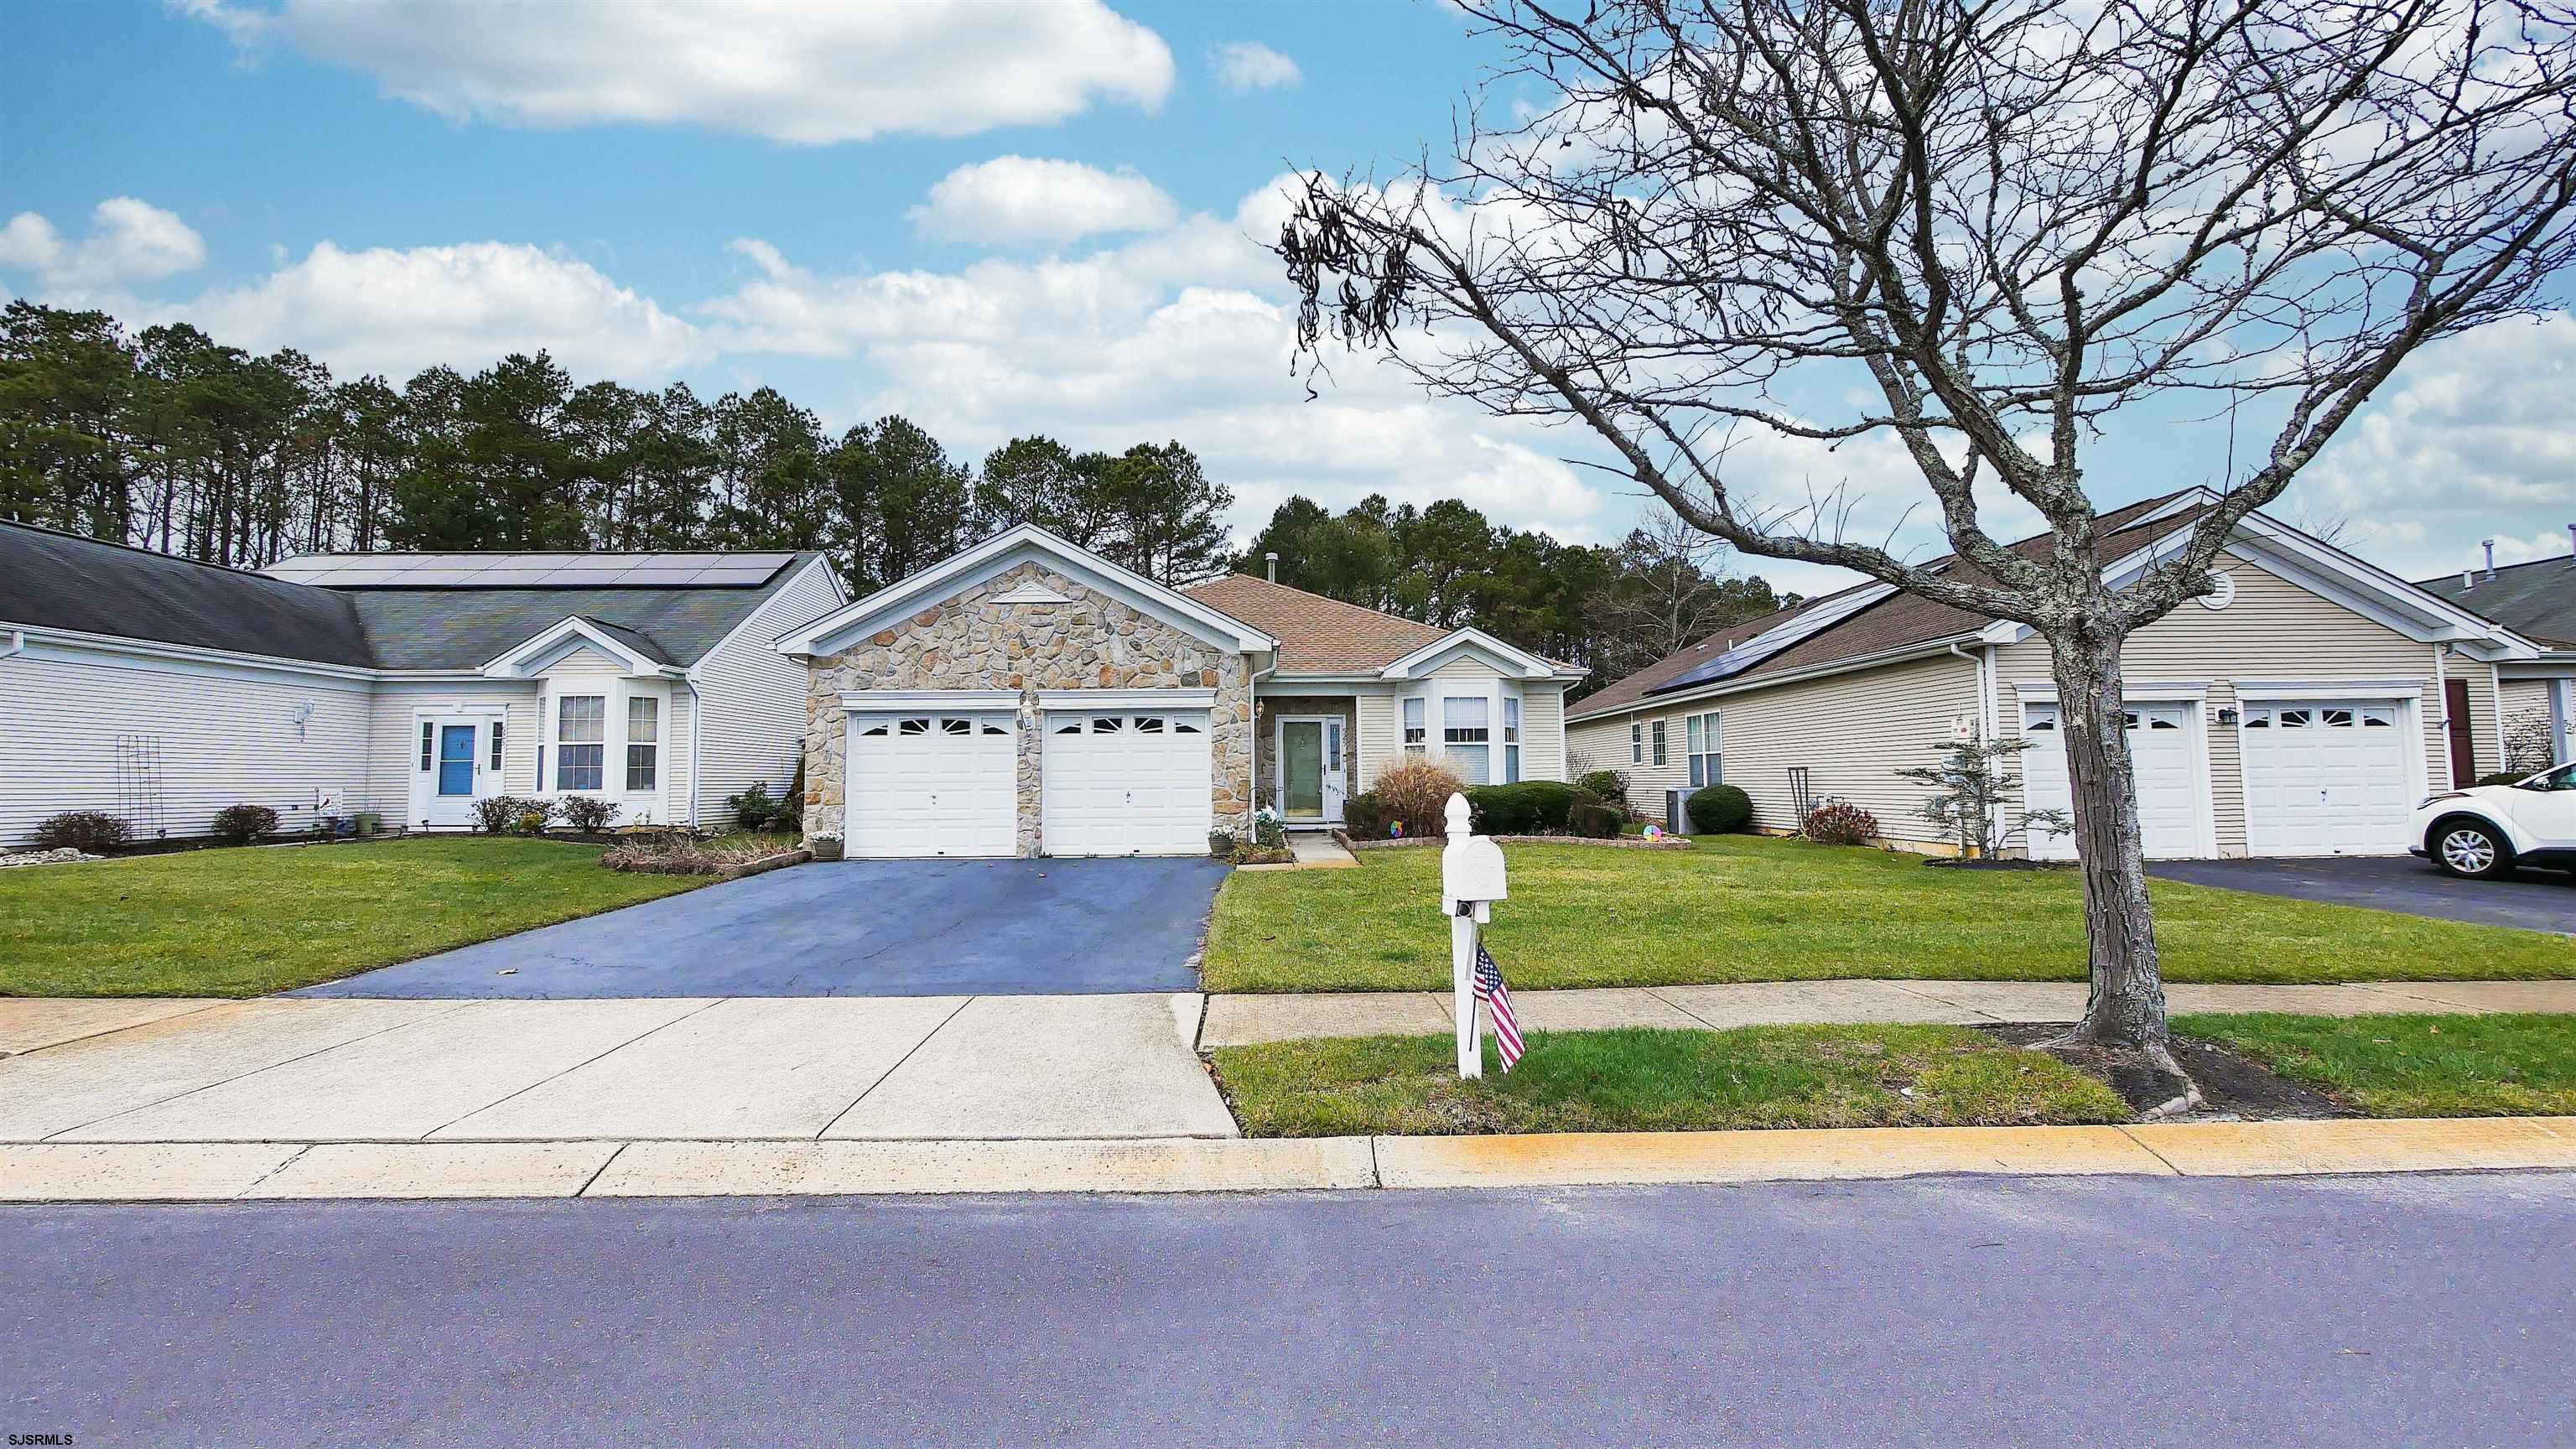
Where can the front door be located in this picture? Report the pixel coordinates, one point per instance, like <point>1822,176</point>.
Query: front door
<point>458,762</point>
<point>1311,783</point>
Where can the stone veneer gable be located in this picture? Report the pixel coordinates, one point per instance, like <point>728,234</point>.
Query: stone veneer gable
<point>972,641</point>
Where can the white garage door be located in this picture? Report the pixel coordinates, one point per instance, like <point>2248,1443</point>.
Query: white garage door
<point>2161,756</point>
<point>1126,782</point>
<point>932,784</point>
<point>2327,777</point>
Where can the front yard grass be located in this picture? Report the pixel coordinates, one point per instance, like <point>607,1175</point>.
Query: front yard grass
<point>245,921</point>
<point>2413,1066</point>
<point>1751,908</point>
<point>1643,1079</point>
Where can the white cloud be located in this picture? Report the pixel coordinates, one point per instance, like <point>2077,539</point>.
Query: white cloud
<point>397,311</point>
<point>1248,65</point>
<point>2472,440</point>
<point>805,71</point>
<point>1011,200</point>
<point>129,241</point>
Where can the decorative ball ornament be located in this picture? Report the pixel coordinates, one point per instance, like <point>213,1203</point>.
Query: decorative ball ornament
<point>1651,832</point>
<point>1395,830</point>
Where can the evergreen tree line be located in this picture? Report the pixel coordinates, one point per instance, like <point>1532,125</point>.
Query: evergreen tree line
<point>170,440</point>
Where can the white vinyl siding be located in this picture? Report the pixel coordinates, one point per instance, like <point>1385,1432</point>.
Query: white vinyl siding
<point>754,700</point>
<point>2273,630</point>
<point>1377,734</point>
<point>1543,731</point>
<point>222,737</point>
<point>393,754</point>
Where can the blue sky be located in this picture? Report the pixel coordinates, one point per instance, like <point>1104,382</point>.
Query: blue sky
<point>878,212</point>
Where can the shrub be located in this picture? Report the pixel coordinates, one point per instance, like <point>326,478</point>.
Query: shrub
<point>92,832</point>
<point>242,824</point>
<point>1719,810</point>
<point>533,815</point>
<point>1415,794</point>
<point>1610,787</point>
<point>1528,808</point>
<point>2506,777</point>
<point>1592,816</point>
<point>755,809</point>
<point>676,852</point>
<point>1840,822</point>
<point>1269,832</point>
<point>586,813</point>
<point>1365,816</point>
<point>1220,843</point>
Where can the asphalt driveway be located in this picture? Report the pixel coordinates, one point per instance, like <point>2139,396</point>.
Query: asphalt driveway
<point>2535,900</point>
<point>855,928</point>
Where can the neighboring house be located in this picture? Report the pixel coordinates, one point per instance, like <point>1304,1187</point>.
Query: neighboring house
<point>1029,697</point>
<point>2538,601</point>
<point>411,685</point>
<point>2302,709</point>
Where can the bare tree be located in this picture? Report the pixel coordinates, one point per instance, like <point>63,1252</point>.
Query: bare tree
<point>1700,221</point>
<point>1673,590</point>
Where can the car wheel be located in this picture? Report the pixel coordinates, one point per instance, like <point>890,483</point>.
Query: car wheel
<point>2471,848</point>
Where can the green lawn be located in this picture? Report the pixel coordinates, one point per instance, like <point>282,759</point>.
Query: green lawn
<point>1751,908</point>
<point>242,922</point>
<point>2413,1066</point>
<point>1649,1080</point>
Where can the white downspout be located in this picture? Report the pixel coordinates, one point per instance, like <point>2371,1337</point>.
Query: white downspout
<point>697,736</point>
<point>17,644</point>
<point>2442,695</point>
<point>1988,709</point>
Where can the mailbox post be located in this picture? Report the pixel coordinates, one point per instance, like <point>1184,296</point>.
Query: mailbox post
<point>1471,880</point>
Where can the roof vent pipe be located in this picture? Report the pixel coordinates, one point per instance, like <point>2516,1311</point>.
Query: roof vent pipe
<point>1270,565</point>
<point>2468,580</point>
<point>2489,545</point>
<point>2571,545</point>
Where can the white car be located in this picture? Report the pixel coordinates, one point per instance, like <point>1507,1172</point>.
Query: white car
<point>2487,830</point>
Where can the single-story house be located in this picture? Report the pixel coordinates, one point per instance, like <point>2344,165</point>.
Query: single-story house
<point>162,690</point>
<point>1030,697</point>
<point>2300,709</point>
<point>2538,601</point>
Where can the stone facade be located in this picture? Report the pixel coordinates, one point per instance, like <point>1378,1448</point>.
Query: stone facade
<point>1266,739</point>
<point>974,641</point>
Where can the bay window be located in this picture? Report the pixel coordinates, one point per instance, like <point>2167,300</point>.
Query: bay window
<point>1702,736</point>
<point>643,741</point>
<point>581,742</point>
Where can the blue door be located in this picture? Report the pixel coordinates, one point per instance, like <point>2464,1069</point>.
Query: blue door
<point>456,759</point>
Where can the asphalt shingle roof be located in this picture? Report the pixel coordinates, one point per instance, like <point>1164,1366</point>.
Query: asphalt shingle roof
<point>1892,623</point>
<point>63,581</point>
<point>1316,635</point>
<point>2536,598</point>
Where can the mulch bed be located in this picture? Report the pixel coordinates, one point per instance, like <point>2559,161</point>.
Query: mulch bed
<point>2231,1085</point>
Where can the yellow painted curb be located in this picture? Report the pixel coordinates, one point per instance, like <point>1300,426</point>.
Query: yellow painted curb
<point>1605,1158</point>
<point>2418,1144</point>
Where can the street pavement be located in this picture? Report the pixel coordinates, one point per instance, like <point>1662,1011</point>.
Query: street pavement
<point>2111,1311</point>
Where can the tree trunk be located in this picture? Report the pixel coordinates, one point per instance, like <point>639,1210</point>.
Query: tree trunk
<point>2127,1006</point>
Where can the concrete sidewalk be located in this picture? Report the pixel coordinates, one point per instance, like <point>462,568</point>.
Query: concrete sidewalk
<point>303,1071</point>
<point>1241,1020</point>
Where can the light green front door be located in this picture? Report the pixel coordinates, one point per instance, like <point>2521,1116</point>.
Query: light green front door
<point>1301,769</point>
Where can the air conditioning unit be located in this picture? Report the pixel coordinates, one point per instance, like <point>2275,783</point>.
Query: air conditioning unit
<point>1676,818</point>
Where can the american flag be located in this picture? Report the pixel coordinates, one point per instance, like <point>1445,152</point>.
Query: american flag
<point>1498,1000</point>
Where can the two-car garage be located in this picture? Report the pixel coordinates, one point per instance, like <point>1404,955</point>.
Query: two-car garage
<point>1126,780</point>
<point>2302,773</point>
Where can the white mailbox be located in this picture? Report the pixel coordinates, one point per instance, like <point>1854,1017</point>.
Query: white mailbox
<point>1471,880</point>
<point>1471,867</point>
